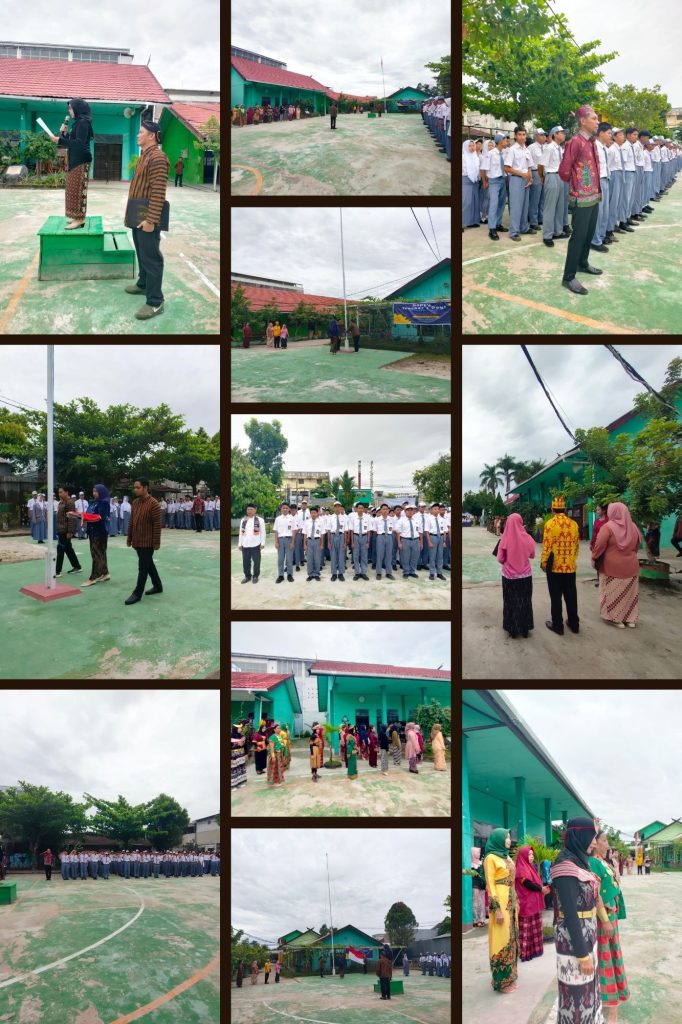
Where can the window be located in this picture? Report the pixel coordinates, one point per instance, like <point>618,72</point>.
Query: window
<point>392,716</point>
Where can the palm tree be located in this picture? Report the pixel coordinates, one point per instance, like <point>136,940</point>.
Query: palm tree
<point>490,479</point>
<point>507,464</point>
<point>346,487</point>
<point>525,470</point>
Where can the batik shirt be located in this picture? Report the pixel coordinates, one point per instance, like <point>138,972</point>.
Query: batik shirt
<point>580,168</point>
<point>561,538</point>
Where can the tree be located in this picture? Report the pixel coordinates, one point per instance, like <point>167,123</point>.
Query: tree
<point>650,406</point>
<point>14,427</point>
<point>119,820</point>
<point>654,471</point>
<point>211,143</point>
<point>426,716</point>
<point>475,501</point>
<point>324,930</point>
<point>435,481</point>
<point>626,105</point>
<point>610,483</point>
<point>39,148</point>
<point>37,816</point>
<point>445,925</point>
<point>240,307</point>
<point>507,464</point>
<point>246,950</point>
<point>166,821</point>
<point>488,24</point>
<point>491,478</point>
<point>346,488</point>
<point>441,72</point>
<point>267,447</point>
<point>525,470</point>
<point>250,487</point>
<point>498,508</point>
<point>400,925</point>
<point>430,90</point>
<point>197,457</point>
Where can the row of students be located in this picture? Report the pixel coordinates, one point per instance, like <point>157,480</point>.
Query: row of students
<point>82,865</point>
<point>383,537</point>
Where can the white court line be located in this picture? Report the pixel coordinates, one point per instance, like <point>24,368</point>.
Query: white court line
<point>312,1020</point>
<point>196,270</point>
<point>504,252</point>
<point>65,959</point>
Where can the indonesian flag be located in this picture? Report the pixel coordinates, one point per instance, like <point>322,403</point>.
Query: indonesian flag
<point>355,955</point>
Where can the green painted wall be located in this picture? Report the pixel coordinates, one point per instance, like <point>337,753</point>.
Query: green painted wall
<point>175,138</point>
<point>405,94</point>
<point>236,88</point>
<point>348,936</point>
<point>436,285</point>
<point>280,708</point>
<point>251,94</point>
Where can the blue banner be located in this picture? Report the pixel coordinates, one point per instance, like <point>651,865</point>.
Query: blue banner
<point>424,313</point>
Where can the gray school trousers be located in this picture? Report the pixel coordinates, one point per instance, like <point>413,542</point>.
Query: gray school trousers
<point>628,189</point>
<point>535,195</point>
<point>338,552</point>
<point>360,551</point>
<point>637,202</point>
<point>615,190</point>
<point>314,556</point>
<point>518,206</point>
<point>553,216</point>
<point>436,554</point>
<point>285,551</point>
<point>384,553</point>
<point>409,554</point>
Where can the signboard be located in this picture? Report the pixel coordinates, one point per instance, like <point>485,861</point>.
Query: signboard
<point>424,313</point>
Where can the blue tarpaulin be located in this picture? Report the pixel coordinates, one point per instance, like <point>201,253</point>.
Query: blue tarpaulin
<point>424,313</point>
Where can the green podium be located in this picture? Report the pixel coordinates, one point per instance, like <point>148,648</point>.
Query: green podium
<point>85,253</point>
<point>396,987</point>
<point>8,892</point>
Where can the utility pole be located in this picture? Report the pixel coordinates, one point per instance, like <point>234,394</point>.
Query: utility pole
<point>343,274</point>
<point>50,558</point>
<point>384,83</point>
<point>331,920</point>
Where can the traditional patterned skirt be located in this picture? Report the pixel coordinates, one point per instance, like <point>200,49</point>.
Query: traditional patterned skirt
<point>503,947</point>
<point>517,605</point>
<point>619,599</point>
<point>530,936</point>
<point>275,767</point>
<point>76,195</point>
<point>579,995</point>
<point>397,754</point>
<point>384,760</point>
<point>238,765</point>
<point>612,980</point>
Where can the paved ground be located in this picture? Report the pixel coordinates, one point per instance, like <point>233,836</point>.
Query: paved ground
<point>352,1000</point>
<point>175,938</point>
<point>599,651</point>
<point>174,635</point>
<point>30,306</point>
<point>515,287</point>
<point>649,938</point>
<point>399,593</point>
<point>313,375</point>
<point>389,156</point>
<point>398,794</point>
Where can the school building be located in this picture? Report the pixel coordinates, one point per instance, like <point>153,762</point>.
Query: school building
<point>406,100</point>
<point>365,693</point>
<point>662,843</point>
<point>255,83</point>
<point>509,780</point>
<point>267,695</point>
<point>571,465</point>
<point>432,285</point>
<point>306,685</point>
<point>302,950</point>
<point>203,833</point>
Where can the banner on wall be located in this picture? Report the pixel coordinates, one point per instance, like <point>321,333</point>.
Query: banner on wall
<point>422,313</point>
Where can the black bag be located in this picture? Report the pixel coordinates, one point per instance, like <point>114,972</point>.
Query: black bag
<point>495,548</point>
<point>137,210</point>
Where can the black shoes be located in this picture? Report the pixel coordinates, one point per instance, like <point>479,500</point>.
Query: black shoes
<point>575,287</point>
<point>647,209</point>
<point>133,599</point>
<point>390,577</point>
<point>334,578</point>
<point>356,577</point>
<point>290,579</point>
<point>308,579</point>
<point>247,579</point>
<point>298,568</point>
<point>625,226</point>
<point>279,579</point>
<point>618,230</point>
<point>590,270</point>
<point>599,248</point>
<point>255,579</point>
<point>159,590</point>
<point>77,569</point>
<point>440,576</point>
<point>548,242</point>
<point>576,630</point>
<point>550,625</point>
<point>567,231</point>
<point>342,577</point>
<point>494,236</point>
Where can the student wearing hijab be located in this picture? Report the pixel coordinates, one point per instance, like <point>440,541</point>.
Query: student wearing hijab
<point>383,747</point>
<point>471,174</point>
<point>515,550</point>
<point>260,744</point>
<point>612,979</point>
<point>352,753</point>
<point>530,893</point>
<point>96,519</point>
<point>76,142</point>
<point>503,941</point>
<point>577,891</point>
<point>618,541</point>
<point>478,888</point>
<point>438,747</point>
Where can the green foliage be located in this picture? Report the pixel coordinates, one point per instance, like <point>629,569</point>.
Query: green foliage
<point>430,90</point>
<point>246,950</point>
<point>490,24</point>
<point>529,512</point>
<point>650,406</point>
<point>250,486</point>
<point>426,716</point>
<point>434,482</point>
<point>442,73</point>
<point>475,502</point>
<point>445,926</point>
<point>540,851</point>
<point>654,465</point>
<point>609,456</point>
<point>210,142</point>
<point>626,105</point>
<point>14,428</point>
<point>525,470</point>
<point>491,478</point>
<point>37,816</point>
<point>240,308</point>
<point>508,465</point>
<point>197,457</point>
<point>400,925</point>
<point>616,843</point>
<point>267,447</point>
<point>119,820</point>
<point>498,508</point>
<point>166,822</point>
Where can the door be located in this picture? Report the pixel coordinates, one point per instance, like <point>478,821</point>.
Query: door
<point>208,167</point>
<point>362,717</point>
<point>108,159</point>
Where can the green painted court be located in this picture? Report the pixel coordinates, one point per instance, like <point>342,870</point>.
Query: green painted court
<point>515,287</point>
<point>390,156</point>
<point>191,280</point>
<point>348,1000</point>
<point>313,375</point>
<point>94,635</point>
<point>169,939</point>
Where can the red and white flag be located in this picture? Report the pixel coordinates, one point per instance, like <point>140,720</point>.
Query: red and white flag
<point>355,955</point>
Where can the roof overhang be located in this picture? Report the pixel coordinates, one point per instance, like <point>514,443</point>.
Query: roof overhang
<point>57,99</point>
<point>348,683</point>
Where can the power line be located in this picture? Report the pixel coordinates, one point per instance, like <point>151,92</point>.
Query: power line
<point>434,233</point>
<point>634,375</point>
<point>422,231</point>
<point>18,405</point>
<point>393,280</point>
<point>544,388</point>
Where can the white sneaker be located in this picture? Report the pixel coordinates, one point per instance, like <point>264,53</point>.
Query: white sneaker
<point>89,583</point>
<point>631,624</point>
<point>619,625</point>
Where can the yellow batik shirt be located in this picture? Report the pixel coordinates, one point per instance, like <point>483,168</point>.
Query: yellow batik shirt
<point>562,538</point>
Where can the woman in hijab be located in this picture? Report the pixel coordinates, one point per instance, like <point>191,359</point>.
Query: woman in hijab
<point>396,745</point>
<point>260,748</point>
<point>77,146</point>
<point>531,896</point>
<point>470,186</point>
<point>240,973</point>
<point>612,979</point>
<point>514,552</point>
<point>238,762</point>
<point>383,747</point>
<point>411,747</point>
<point>479,888</point>
<point>249,115</point>
<point>96,518</point>
<point>315,751</point>
<point>372,747</point>
<point>275,774</point>
<point>503,941</point>
<point>438,747</point>
<point>352,753</point>
<point>618,541</point>
<point>575,931</point>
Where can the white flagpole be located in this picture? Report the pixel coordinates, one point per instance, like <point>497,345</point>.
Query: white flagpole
<point>384,83</point>
<point>343,274</point>
<point>50,554</point>
<point>331,919</point>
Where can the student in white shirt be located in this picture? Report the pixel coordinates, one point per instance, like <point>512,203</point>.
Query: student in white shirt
<point>536,152</point>
<point>251,542</point>
<point>553,188</point>
<point>313,532</point>
<point>383,529</point>
<point>395,514</point>
<point>421,517</point>
<point>124,514</point>
<point>518,162</point>
<point>435,540</point>
<point>302,516</point>
<point>409,543</point>
<point>338,530</point>
<point>358,532</point>
<point>285,539</point>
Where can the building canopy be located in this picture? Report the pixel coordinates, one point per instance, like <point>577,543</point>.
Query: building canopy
<point>355,679</point>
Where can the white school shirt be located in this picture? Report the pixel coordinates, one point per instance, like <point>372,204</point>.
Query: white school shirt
<point>210,505</point>
<point>432,528</point>
<point>639,154</point>
<point>81,505</point>
<point>614,158</point>
<point>492,162</point>
<point>536,151</point>
<point>655,155</point>
<point>314,528</point>
<point>338,522</point>
<point>359,525</point>
<point>648,166</point>
<point>422,518</point>
<point>248,538</point>
<point>217,504</point>
<point>517,157</point>
<point>285,525</point>
<point>383,526</point>
<point>601,153</point>
<point>628,153</point>
<point>126,507</point>
<point>403,527</point>
<point>665,155</point>
<point>302,517</point>
<point>30,503</point>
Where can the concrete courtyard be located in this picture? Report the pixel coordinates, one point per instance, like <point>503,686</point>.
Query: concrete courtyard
<point>191,251</point>
<point>389,156</point>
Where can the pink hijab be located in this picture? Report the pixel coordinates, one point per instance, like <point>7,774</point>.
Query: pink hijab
<point>530,902</point>
<point>475,857</point>
<point>516,546</point>
<point>626,534</point>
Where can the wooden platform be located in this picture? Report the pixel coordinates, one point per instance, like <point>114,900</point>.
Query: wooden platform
<point>85,253</point>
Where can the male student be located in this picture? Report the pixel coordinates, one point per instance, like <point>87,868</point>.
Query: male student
<point>251,542</point>
<point>421,517</point>
<point>409,543</point>
<point>358,532</point>
<point>144,534</point>
<point>313,531</point>
<point>338,531</point>
<point>383,529</point>
<point>285,537</point>
<point>435,543</point>
<point>302,516</point>
<point>64,534</point>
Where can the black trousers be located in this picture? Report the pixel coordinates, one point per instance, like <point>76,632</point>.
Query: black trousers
<point>48,872</point>
<point>584,224</point>
<point>562,585</point>
<point>251,556</point>
<point>356,342</point>
<point>65,547</point>
<point>333,119</point>
<point>146,568</point>
<point>676,544</point>
<point>385,984</point>
<point>178,178</point>
<point>198,521</point>
<point>150,260</point>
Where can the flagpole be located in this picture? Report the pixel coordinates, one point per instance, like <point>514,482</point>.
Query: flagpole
<point>384,83</point>
<point>331,919</point>
<point>343,274</point>
<point>49,555</point>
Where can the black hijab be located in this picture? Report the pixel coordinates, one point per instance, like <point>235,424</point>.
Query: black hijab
<point>81,108</point>
<point>578,835</point>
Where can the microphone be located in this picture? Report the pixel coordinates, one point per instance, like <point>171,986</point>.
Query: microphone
<point>65,124</point>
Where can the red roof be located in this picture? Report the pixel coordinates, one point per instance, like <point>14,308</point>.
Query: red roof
<point>63,79</point>
<point>351,96</point>
<point>285,300</point>
<point>252,71</point>
<point>360,668</point>
<point>196,114</point>
<point>256,680</point>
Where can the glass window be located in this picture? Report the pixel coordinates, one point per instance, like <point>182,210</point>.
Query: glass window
<point>392,715</point>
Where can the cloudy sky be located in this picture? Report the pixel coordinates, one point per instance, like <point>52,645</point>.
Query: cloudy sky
<point>403,644</point>
<point>620,26</point>
<point>101,743</point>
<point>618,748</point>
<point>506,411</point>
<point>398,444</point>
<point>185,377</point>
<point>271,897</point>
<point>342,45</point>
<point>383,248</point>
<point>184,50</point>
